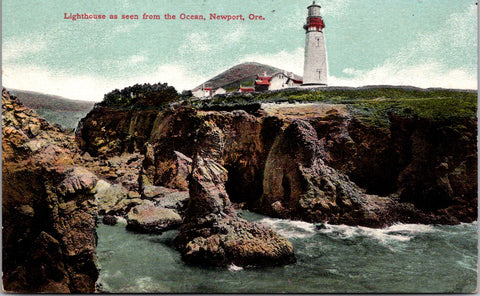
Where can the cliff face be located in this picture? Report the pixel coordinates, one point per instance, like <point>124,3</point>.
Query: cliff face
<point>315,162</point>
<point>48,208</point>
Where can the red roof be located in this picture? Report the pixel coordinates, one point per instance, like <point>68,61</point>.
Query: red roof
<point>207,88</point>
<point>262,82</point>
<point>297,81</point>
<point>247,89</point>
<point>267,78</point>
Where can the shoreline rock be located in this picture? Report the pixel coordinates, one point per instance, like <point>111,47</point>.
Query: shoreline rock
<point>401,168</point>
<point>213,234</point>
<point>48,207</point>
<point>148,218</point>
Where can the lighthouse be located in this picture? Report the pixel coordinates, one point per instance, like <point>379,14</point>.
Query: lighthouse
<point>315,65</point>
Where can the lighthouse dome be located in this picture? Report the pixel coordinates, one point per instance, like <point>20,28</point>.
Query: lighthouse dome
<point>314,9</point>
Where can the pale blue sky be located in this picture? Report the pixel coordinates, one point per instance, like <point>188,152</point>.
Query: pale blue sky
<point>416,42</point>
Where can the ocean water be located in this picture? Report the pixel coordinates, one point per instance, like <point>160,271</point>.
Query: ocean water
<point>403,258</point>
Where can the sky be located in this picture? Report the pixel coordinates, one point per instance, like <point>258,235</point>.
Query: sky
<point>424,43</point>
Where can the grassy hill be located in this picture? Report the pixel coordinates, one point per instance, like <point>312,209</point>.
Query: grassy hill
<point>373,104</point>
<point>54,109</point>
<point>242,74</point>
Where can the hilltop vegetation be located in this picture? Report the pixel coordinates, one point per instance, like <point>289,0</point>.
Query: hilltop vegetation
<point>372,104</point>
<point>141,95</point>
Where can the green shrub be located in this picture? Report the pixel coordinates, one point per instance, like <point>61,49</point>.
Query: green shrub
<point>141,95</point>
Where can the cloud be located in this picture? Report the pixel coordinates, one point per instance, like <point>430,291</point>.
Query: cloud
<point>34,78</point>
<point>235,36</point>
<point>290,61</point>
<point>454,42</point>
<point>423,75</point>
<point>443,58</point>
<point>392,72</point>
<point>91,88</point>
<point>335,8</point>
<point>178,76</point>
<point>136,59</point>
<point>20,47</point>
<point>197,41</point>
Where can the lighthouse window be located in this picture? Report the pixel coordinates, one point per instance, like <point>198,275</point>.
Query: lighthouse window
<point>318,42</point>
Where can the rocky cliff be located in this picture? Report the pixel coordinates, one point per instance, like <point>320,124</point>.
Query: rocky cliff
<point>189,164</point>
<point>48,207</point>
<point>318,162</point>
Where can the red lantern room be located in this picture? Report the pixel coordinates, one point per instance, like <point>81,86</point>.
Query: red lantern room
<point>314,19</point>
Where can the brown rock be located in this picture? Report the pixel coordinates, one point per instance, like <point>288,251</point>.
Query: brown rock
<point>298,184</point>
<point>109,220</point>
<point>48,208</point>
<point>397,165</point>
<point>213,234</point>
<point>109,196</point>
<point>172,169</point>
<point>147,218</point>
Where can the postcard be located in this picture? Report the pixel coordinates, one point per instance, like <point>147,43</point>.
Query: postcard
<point>313,146</point>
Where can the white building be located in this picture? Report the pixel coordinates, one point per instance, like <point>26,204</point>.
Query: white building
<point>219,91</point>
<point>207,92</point>
<point>203,92</point>
<point>276,81</point>
<point>283,80</point>
<point>315,67</point>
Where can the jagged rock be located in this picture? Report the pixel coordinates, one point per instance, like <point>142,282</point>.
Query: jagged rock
<point>124,206</point>
<point>122,170</point>
<point>213,234</point>
<point>147,171</point>
<point>172,169</point>
<point>48,208</point>
<point>298,184</point>
<point>148,218</point>
<point>109,220</point>
<point>77,180</point>
<point>108,196</point>
<point>151,191</point>
<point>175,200</point>
<point>394,164</point>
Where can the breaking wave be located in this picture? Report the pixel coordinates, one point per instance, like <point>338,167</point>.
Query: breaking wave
<point>299,229</point>
<point>290,228</point>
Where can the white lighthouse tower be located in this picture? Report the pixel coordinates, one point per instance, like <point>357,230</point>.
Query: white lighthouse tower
<point>315,67</point>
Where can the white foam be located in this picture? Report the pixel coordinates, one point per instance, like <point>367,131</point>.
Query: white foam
<point>410,228</point>
<point>468,262</point>
<point>400,232</point>
<point>121,220</point>
<point>390,236</point>
<point>234,268</point>
<point>290,228</point>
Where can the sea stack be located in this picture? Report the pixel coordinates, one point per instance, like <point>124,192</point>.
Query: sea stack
<point>315,65</point>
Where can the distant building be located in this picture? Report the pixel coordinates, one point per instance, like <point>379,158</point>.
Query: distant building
<point>282,80</point>
<point>276,81</point>
<point>246,89</point>
<point>219,91</point>
<point>203,92</point>
<point>262,83</point>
